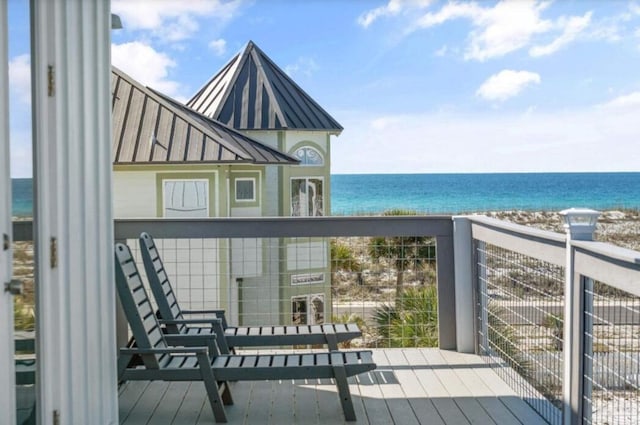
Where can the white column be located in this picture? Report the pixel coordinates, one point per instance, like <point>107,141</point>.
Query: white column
<point>73,211</point>
<point>463,254</point>
<point>7,373</point>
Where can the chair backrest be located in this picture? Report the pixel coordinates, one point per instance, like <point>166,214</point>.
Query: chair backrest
<point>137,307</point>
<point>159,281</point>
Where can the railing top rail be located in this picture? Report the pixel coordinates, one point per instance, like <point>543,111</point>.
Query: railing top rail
<point>610,252</point>
<point>519,229</point>
<point>267,227</point>
<point>256,227</point>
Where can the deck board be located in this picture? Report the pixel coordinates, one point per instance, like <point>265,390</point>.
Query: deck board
<point>411,386</point>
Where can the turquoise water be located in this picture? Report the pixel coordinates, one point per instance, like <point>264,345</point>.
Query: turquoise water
<point>455,193</point>
<point>459,193</point>
<point>22,197</point>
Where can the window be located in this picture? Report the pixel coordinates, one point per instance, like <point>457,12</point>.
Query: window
<point>306,197</point>
<point>245,189</point>
<point>307,309</point>
<point>186,198</point>
<point>309,156</point>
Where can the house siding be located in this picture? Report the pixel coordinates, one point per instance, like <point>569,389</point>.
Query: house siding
<point>135,194</point>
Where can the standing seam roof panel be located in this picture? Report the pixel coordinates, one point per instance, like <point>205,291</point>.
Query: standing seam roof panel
<point>245,106</point>
<point>150,128</point>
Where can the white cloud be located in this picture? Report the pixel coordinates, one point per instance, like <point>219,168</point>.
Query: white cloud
<point>507,27</point>
<point>218,46</point>
<point>507,83</point>
<point>303,66</point>
<point>500,29</point>
<point>627,102</point>
<point>572,28</point>
<point>171,20</point>
<point>489,142</point>
<point>146,65</point>
<point>448,12</point>
<point>20,78</point>
<point>21,159</point>
<point>392,8</point>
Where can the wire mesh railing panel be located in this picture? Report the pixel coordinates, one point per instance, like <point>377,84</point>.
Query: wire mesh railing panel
<point>24,321</point>
<point>611,379</point>
<point>388,286</point>
<point>385,285</point>
<point>23,269</point>
<point>520,324</point>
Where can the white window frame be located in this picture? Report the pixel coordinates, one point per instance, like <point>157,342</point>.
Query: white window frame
<point>240,179</point>
<point>307,278</point>
<point>164,198</point>
<point>304,164</point>
<point>307,178</point>
<point>310,314</point>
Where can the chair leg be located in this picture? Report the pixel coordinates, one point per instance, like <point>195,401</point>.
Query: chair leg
<point>227,399</point>
<point>330,335</point>
<point>212,388</point>
<point>340,375</point>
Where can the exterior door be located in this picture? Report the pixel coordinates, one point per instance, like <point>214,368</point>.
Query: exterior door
<point>7,377</point>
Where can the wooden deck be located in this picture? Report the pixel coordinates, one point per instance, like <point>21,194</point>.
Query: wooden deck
<point>411,386</point>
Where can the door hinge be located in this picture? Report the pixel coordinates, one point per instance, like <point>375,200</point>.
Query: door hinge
<point>54,253</point>
<point>14,287</point>
<point>51,82</point>
<point>6,243</point>
<point>56,417</point>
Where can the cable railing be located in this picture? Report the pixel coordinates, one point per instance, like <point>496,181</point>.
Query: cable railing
<point>387,285</point>
<point>567,342</point>
<point>612,354</point>
<point>521,324</point>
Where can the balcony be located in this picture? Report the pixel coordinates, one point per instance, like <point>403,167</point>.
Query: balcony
<point>410,386</point>
<point>508,344</point>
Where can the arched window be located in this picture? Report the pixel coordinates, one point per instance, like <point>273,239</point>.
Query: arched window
<point>309,156</point>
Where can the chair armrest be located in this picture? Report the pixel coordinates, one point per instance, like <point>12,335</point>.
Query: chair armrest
<point>189,340</point>
<point>180,350</point>
<point>189,321</point>
<point>216,312</point>
<point>216,340</point>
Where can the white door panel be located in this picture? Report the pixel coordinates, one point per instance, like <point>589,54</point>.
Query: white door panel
<point>7,377</point>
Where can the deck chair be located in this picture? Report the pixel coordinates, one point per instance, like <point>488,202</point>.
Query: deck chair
<point>156,360</point>
<point>242,336</point>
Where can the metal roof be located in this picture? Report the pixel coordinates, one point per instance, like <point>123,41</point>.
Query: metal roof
<point>252,93</point>
<point>151,128</point>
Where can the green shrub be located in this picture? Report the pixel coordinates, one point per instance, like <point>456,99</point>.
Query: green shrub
<point>23,320</point>
<point>412,322</point>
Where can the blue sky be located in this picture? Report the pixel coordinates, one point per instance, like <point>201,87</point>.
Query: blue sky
<point>420,86</point>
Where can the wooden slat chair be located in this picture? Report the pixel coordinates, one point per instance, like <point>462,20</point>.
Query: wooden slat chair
<point>153,359</point>
<point>242,336</point>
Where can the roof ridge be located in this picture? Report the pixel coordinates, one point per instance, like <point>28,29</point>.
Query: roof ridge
<point>241,104</point>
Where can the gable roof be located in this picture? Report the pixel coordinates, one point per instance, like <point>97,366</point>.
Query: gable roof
<point>151,128</point>
<point>252,93</point>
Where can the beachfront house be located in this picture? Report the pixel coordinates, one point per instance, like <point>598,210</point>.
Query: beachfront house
<point>250,143</point>
<point>525,368</point>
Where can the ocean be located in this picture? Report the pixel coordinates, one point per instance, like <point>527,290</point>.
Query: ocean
<point>455,193</point>
<point>463,193</point>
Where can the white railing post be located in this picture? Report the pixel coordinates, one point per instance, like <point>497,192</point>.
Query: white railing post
<point>464,284</point>
<point>579,225</point>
